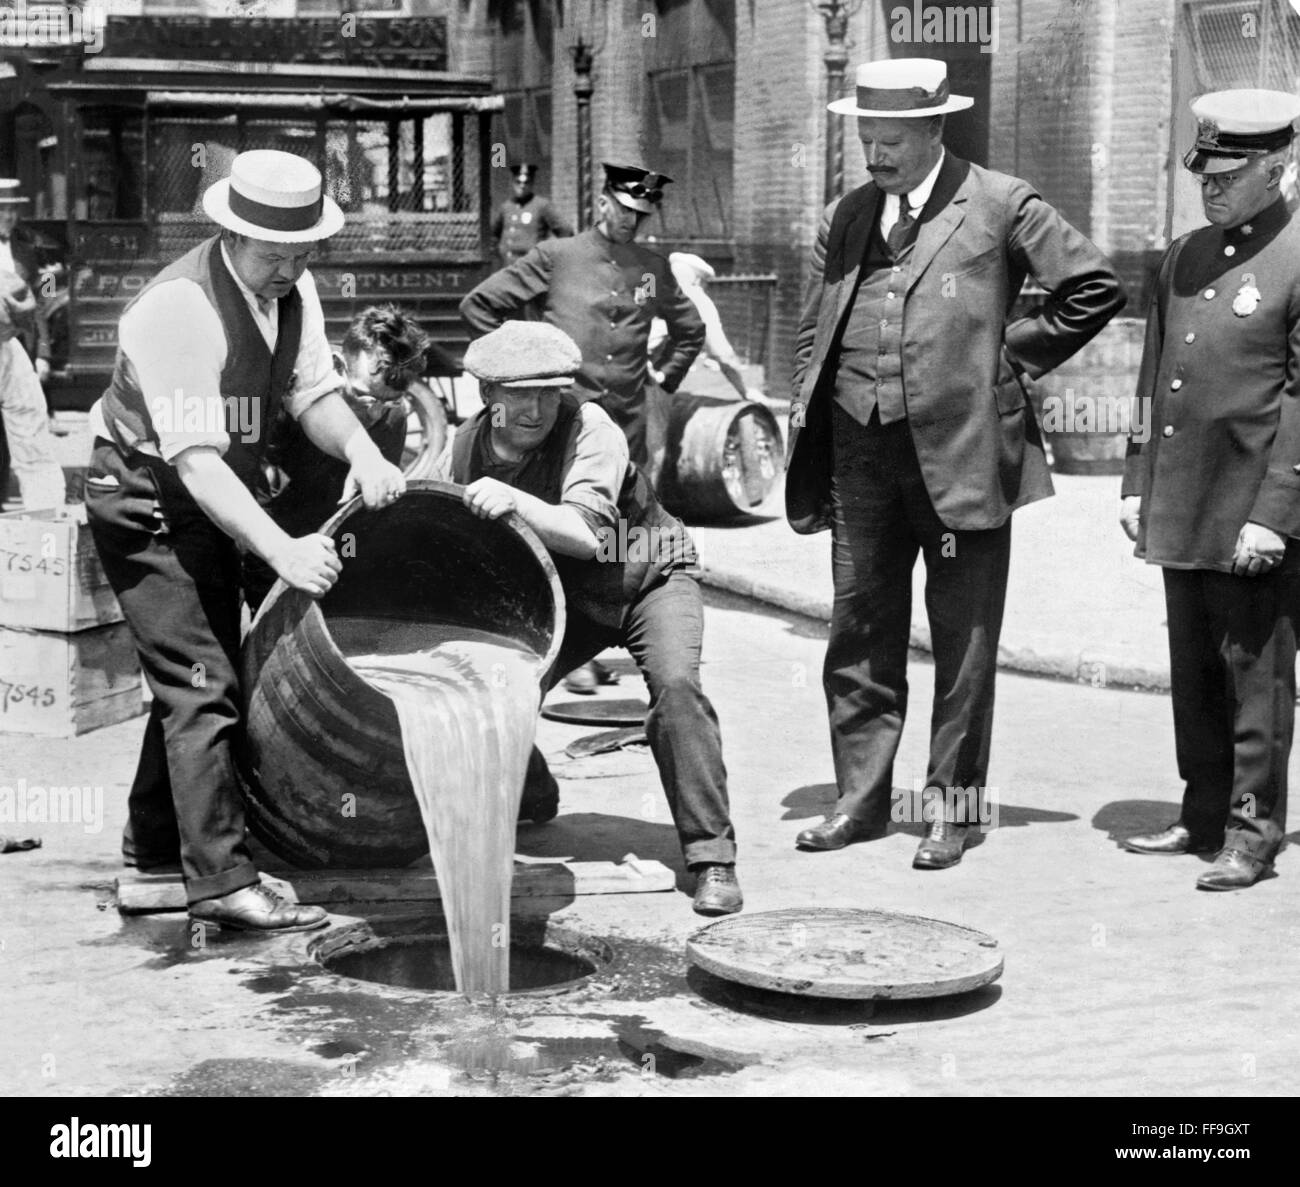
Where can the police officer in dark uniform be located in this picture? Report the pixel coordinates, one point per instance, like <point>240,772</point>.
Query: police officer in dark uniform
<point>603,289</point>
<point>1213,494</point>
<point>522,221</point>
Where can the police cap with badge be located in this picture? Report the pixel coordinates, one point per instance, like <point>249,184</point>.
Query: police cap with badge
<point>634,187</point>
<point>1235,127</point>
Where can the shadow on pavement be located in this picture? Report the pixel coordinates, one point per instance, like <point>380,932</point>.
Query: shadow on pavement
<point>823,1011</point>
<point>818,799</point>
<point>595,836</point>
<point>1128,818</point>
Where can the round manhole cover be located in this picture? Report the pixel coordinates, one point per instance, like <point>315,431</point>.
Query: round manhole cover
<point>826,952</point>
<point>599,711</point>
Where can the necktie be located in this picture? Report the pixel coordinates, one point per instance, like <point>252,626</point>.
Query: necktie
<point>901,229</point>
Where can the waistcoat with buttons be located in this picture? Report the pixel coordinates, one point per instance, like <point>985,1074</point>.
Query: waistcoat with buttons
<point>870,372</point>
<point>253,378</point>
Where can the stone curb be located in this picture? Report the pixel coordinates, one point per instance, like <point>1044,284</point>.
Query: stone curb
<point>1101,669</point>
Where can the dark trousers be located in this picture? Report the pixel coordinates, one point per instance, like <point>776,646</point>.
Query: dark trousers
<point>882,518</point>
<point>176,575</point>
<point>664,633</point>
<point>1232,652</point>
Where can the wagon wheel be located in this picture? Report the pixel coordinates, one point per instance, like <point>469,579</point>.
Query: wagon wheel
<point>418,456</point>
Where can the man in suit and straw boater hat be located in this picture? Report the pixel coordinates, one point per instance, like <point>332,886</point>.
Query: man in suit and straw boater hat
<point>910,432</point>
<point>207,353</point>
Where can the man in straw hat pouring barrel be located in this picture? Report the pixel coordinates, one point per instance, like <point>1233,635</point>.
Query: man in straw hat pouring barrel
<point>910,432</point>
<point>207,353</point>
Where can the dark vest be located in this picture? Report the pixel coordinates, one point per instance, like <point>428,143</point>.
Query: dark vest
<point>870,371</point>
<point>253,381</point>
<point>641,550</point>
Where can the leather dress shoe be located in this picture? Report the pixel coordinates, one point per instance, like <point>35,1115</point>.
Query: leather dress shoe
<point>257,908</point>
<point>584,680</point>
<point>717,890</point>
<point>942,846</point>
<point>834,832</point>
<point>1233,869</point>
<point>1174,841</point>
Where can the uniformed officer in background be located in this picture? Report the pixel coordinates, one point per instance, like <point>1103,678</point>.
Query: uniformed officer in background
<point>603,289</point>
<point>1213,495</point>
<point>524,219</point>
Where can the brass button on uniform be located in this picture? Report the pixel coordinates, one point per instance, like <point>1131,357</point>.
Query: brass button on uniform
<point>1169,430</point>
<point>1229,250</point>
<point>1177,383</point>
<point>1209,294</point>
<point>1191,336</point>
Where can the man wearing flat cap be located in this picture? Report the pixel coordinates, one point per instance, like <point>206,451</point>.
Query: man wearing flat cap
<point>524,219</point>
<point>1213,495</point>
<point>603,289</point>
<point>628,569</point>
<point>910,432</point>
<point>207,354</point>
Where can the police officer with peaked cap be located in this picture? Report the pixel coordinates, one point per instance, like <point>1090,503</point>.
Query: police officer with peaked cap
<point>524,219</point>
<point>1212,495</point>
<point>603,289</point>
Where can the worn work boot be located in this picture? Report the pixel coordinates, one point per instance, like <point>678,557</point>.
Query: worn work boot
<point>1233,869</point>
<point>717,890</point>
<point>257,908</point>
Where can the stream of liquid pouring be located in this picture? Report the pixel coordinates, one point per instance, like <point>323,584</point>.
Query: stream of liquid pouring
<point>467,702</point>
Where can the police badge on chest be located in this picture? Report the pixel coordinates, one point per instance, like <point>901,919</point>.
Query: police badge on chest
<point>1247,299</point>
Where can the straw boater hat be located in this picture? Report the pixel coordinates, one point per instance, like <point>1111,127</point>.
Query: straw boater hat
<point>9,195</point>
<point>273,196</point>
<point>901,88</point>
<point>1233,127</point>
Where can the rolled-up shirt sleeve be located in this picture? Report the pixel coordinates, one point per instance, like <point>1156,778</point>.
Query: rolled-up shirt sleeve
<point>315,365</point>
<point>174,341</point>
<point>594,466</point>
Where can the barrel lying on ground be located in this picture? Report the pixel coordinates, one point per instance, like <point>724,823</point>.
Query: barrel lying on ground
<point>326,782</point>
<point>722,457</point>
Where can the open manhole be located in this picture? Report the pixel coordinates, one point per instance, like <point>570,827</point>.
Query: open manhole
<point>415,953</point>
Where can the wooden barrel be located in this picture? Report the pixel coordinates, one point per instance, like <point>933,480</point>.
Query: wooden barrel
<point>321,759</point>
<point>722,457</point>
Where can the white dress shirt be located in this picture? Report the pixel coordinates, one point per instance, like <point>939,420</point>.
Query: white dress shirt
<point>174,340</point>
<point>915,200</point>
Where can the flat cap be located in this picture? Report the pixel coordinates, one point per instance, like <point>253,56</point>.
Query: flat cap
<point>524,354</point>
<point>1235,126</point>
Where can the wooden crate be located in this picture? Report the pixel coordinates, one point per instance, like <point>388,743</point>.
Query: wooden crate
<point>50,575</point>
<point>60,685</point>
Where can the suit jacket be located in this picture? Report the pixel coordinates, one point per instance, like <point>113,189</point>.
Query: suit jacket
<point>1220,383</point>
<point>979,236</point>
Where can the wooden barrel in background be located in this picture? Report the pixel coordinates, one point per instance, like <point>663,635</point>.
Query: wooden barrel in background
<point>322,762</point>
<point>722,457</point>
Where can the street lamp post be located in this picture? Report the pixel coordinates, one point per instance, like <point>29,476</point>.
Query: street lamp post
<point>581,53</point>
<point>836,14</point>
